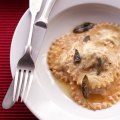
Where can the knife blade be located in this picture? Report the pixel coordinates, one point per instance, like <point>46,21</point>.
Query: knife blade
<point>8,99</point>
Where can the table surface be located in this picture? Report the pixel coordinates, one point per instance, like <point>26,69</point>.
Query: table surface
<point>10,13</point>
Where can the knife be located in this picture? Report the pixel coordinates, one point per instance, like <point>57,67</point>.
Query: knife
<point>42,23</point>
<point>8,99</point>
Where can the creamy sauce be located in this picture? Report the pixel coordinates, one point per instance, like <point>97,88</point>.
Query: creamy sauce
<point>93,98</point>
<point>65,87</point>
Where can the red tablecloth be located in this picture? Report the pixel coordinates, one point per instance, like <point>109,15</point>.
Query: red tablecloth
<point>10,13</point>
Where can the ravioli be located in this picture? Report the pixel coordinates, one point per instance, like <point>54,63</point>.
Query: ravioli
<point>95,53</point>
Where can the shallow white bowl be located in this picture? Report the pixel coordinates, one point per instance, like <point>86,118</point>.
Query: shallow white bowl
<point>46,100</point>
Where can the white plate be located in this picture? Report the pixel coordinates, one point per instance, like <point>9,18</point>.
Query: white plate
<point>46,100</point>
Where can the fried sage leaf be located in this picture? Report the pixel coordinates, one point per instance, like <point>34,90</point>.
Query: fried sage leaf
<point>77,58</point>
<point>99,65</point>
<point>87,38</point>
<point>83,27</point>
<point>85,87</point>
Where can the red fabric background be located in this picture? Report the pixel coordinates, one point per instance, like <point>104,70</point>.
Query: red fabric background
<point>10,13</point>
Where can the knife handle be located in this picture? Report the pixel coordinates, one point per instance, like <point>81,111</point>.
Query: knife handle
<point>8,99</point>
<point>43,20</point>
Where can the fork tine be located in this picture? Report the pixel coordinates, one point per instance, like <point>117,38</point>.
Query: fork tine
<point>24,85</point>
<point>19,85</point>
<point>29,85</point>
<point>15,84</point>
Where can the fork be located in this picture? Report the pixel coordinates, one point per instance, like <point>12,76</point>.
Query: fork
<point>25,67</point>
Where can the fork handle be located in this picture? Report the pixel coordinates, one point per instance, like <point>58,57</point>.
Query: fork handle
<point>43,20</point>
<point>29,46</point>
